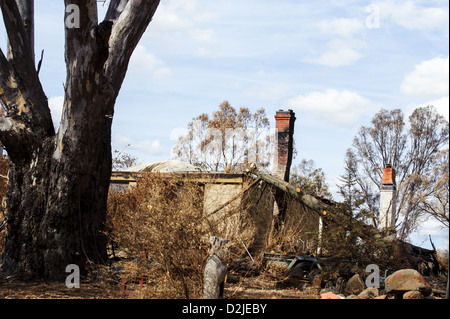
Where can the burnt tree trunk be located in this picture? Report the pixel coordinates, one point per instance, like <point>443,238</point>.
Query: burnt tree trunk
<point>58,181</point>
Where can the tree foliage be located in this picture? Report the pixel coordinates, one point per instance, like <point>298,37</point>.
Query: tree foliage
<point>122,160</point>
<point>227,141</point>
<point>309,179</point>
<point>350,188</point>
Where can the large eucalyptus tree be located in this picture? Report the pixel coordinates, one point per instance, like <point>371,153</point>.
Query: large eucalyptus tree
<point>58,181</point>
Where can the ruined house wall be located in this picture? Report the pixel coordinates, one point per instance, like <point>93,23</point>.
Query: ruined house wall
<point>247,219</point>
<point>258,214</point>
<point>215,196</point>
<point>301,227</point>
<point>248,214</point>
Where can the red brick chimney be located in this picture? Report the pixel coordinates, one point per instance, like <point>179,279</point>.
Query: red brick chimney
<point>284,131</point>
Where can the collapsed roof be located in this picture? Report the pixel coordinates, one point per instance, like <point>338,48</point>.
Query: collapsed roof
<point>169,166</point>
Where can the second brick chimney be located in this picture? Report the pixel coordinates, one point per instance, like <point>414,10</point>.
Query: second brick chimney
<point>388,199</point>
<point>284,131</point>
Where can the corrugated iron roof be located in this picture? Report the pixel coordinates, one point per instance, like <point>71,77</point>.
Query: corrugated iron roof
<point>169,166</point>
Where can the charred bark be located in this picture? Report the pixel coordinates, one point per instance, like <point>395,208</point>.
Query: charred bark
<point>55,214</point>
<point>58,182</point>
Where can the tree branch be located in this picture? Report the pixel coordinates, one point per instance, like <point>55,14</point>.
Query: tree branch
<point>115,8</point>
<point>131,18</point>
<point>27,113</point>
<point>16,139</point>
<point>77,37</point>
<point>18,37</point>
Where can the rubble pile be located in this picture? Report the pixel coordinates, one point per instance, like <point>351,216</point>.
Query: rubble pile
<point>402,284</point>
<point>334,278</point>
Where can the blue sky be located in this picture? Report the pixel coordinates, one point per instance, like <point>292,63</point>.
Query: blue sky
<point>334,62</point>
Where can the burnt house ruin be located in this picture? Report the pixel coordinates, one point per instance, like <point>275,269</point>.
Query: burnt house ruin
<point>249,206</point>
<point>246,206</point>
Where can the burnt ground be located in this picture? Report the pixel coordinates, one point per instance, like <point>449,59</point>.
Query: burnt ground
<point>263,287</point>
<point>246,288</point>
<point>256,287</point>
<point>14,289</point>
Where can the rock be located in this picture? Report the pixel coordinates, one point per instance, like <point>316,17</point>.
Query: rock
<point>368,293</point>
<point>352,297</point>
<point>354,286</point>
<point>413,294</point>
<point>405,280</point>
<point>381,297</point>
<point>330,295</point>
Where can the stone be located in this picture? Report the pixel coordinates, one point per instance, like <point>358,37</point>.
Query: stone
<point>354,286</point>
<point>413,294</point>
<point>369,293</point>
<point>405,280</point>
<point>330,295</point>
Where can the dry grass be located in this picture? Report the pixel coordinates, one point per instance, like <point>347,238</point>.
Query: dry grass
<point>159,228</point>
<point>154,227</point>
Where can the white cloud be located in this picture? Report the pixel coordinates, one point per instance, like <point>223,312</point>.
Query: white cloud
<point>342,108</point>
<point>429,84</point>
<point>56,104</point>
<point>268,93</point>
<point>142,148</point>
<point>143,62</point>
<point>441,105</point>
<point>338,54</point>
<point>429,78</point>
<point>343,47</point>
<point>183,17</point>
<point>413,16</point>
<point>203,35</point>
<point>185,25</point>
<point>341,26</point>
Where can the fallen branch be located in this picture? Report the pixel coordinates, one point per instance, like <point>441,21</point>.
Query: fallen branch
<point>315,204</point>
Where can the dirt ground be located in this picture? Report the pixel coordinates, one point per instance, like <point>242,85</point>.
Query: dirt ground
<point>246,288</point>
<point>13,289</point>
<point>257,287</point>
<point>262,288</point>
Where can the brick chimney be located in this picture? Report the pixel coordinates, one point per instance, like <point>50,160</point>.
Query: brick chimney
<point>388,198</point>
<point>284,131</point>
